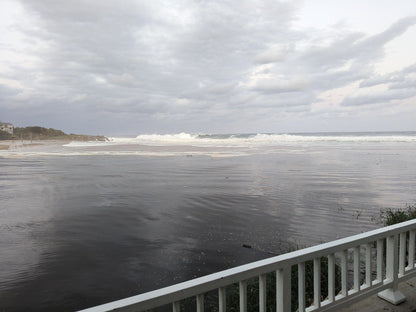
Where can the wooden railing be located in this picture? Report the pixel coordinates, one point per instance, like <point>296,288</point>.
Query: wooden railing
<point>380,259</point>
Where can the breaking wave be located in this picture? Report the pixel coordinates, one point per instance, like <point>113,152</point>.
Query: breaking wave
<point>214,145</point>
<point>264,139</point>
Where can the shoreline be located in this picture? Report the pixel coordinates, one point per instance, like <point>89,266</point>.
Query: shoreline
<point>18,148</point>
<point>64,147</point>
<point>19,145</point>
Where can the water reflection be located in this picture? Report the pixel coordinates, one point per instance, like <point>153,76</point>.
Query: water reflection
<point>80,231</point>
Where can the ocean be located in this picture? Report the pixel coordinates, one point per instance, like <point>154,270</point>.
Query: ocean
<point>85,223</point>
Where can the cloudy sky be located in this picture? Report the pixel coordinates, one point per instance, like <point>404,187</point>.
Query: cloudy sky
<point>130,67</point>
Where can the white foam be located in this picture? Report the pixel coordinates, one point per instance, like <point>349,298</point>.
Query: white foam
<point>86,144</point>
<point>119,153</point>
<point>210,145</point>
<point>179,137</point>
<point>276,138</point>
<point>256,139</point>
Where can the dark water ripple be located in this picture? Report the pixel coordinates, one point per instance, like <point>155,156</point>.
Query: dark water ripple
<point>80,231</point>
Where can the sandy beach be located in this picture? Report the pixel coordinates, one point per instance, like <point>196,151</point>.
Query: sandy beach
<point>12,147</point>
<point>19,144</point>
<point>28,148</point>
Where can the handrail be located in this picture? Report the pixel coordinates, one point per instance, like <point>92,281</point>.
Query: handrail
<point>395,271</point>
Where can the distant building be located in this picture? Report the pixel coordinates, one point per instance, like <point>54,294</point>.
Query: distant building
<point>6,127</point>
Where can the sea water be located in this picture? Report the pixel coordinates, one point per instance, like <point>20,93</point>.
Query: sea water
<point>84,223</point>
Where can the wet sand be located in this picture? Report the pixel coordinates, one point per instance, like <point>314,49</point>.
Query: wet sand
<point>77,148</point>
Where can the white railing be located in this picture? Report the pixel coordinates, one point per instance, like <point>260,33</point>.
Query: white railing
<point>380,272</point>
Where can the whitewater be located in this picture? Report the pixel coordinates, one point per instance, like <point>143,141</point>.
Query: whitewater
<point>255,139</point>
<point>212,145</point>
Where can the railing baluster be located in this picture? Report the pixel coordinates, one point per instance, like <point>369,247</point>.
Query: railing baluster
<point>380,256</point>
<point>301,286</point>
<point>411,258</point>
<point>283,291</point>
<point>331,278</point>
<point>357,268</point>
<point>368,265</point>
<point>402,253</point>
<point>176,307</point>
<point>317,282</point>
<point>391,261</point>
<point>200,303</point>
<point>243,296</point>
<point>221,299</point>
<point>344,273</point>
<point>262,292</point>
<point>392,295</point>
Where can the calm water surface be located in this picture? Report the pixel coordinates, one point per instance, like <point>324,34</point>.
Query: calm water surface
<point>77,231</point>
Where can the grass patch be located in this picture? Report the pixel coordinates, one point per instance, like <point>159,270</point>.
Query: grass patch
<point>390,216</point>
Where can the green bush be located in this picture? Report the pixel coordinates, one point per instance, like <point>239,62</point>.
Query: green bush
<point>37,133</point>
<point>390,216</point>
<point>40,133</point>
<point>5,135</point>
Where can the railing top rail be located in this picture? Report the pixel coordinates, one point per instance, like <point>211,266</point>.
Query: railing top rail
<point>224,278</point>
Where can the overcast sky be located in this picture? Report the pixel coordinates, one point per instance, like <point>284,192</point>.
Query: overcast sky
<point>130,67</point>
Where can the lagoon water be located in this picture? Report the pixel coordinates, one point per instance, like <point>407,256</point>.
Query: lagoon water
<point>86,223</point>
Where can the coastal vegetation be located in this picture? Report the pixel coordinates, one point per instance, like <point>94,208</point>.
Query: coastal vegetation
<point>5,135</point>
<point>40,133</point>
<point>393,216</point>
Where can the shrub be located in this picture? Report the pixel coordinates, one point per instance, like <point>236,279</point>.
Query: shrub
<point>390,216</point>
<point>5,135</point>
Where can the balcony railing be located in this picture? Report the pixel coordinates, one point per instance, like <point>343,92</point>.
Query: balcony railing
<point>369,263</point>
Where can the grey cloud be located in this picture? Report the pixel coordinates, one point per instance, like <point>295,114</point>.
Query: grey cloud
<point>330,80</point>
<point>408,84</point>
<point>274,55</point>
<point>282,86</point>
<point>213,92</point>
<point>403,79</point>
<point>178,61</point>
<point>344,61</point>
<point>357,48</point>
<point>389,34</point>
<point>337,54</point>
<point>354,48</point>
<point>378,97</point>
<point>123,80</point>
<point>278,102</point>
<point>374,81</point>
<point>6,91</point>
